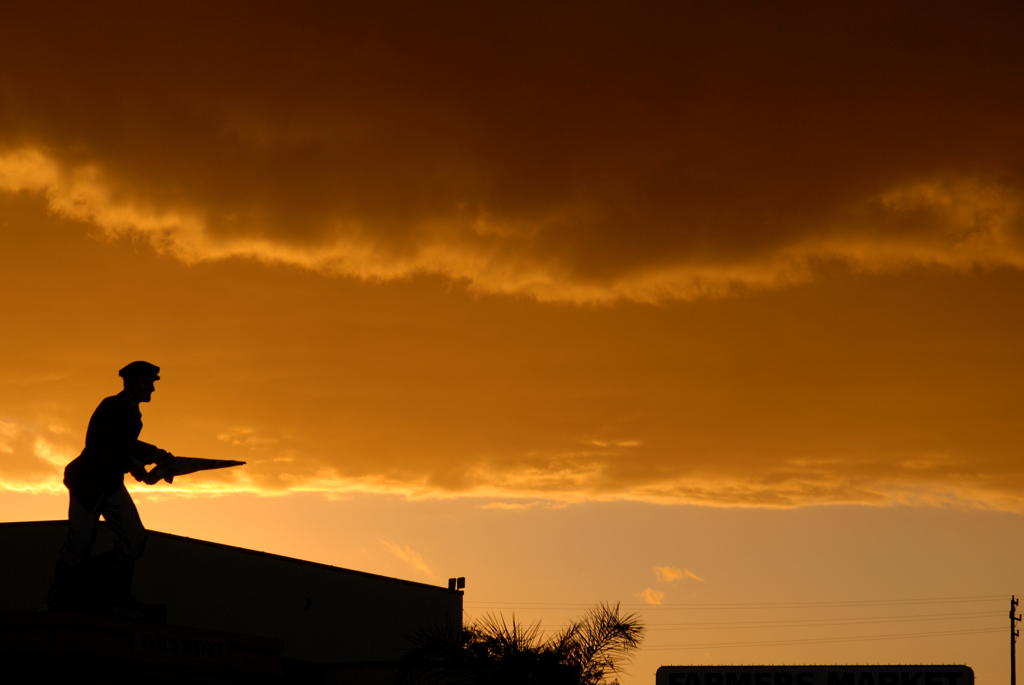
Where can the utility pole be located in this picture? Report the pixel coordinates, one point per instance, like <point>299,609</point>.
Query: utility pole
<point>1014,633</point>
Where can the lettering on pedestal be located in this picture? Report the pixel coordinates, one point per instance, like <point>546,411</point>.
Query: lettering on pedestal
<point>173,645</point>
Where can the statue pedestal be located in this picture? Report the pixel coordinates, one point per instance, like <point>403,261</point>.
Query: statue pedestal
<point>56,647</point>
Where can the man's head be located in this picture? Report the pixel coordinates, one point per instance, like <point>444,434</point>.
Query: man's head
<point>138,380</point>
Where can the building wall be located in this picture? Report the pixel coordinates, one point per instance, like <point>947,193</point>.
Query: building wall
<point>323,613</point>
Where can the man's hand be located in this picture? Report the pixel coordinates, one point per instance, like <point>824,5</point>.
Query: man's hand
<point>164,470</point>
<point>162,457</point>
<point>139,472</point>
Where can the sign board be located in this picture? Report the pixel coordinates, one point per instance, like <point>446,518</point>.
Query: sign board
<point>815,675</point>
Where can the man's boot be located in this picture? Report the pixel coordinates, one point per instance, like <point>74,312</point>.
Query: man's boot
<point>63,578</point>
<point>124,604</point>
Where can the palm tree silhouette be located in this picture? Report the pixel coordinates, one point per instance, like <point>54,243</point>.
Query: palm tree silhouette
<point>493,651</point>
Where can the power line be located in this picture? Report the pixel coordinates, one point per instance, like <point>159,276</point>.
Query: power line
<point>820,623</point>
<point>813,641</point>
<point>813,623</point>
<point>746,605</point>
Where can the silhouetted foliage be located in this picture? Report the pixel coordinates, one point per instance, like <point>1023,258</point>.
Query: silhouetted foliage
<point>589,651</point>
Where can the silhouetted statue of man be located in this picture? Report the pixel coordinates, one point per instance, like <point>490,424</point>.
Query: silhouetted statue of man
<point>96,482</point>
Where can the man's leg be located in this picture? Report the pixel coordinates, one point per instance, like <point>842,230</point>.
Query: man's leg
<point>120,512</point>
<point>81,534</point>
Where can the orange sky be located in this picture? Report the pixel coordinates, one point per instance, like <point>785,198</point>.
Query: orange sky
<point>672,282</point>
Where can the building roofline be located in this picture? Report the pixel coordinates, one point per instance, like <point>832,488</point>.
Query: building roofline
<point>245,550</point>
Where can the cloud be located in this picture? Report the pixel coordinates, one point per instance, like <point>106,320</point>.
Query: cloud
<point>651,596</point>
<point>615,443</point>
<point>32,457</point>
<point>247,437</point>
<point>48,453</point>
<point>410,556</point>
<point>8,431</point>
<point>508,506</point>
<point>301,207</point>
<point>667,574</point>
<point>679,152</point>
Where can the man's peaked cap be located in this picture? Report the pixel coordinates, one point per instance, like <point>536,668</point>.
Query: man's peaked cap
<point>150,372</point>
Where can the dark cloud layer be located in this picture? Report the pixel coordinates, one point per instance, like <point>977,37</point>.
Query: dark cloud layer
<point>897,388</point>
<point>566,151</point>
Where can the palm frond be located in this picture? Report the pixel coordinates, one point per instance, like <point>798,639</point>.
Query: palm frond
<point>493,651</point>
